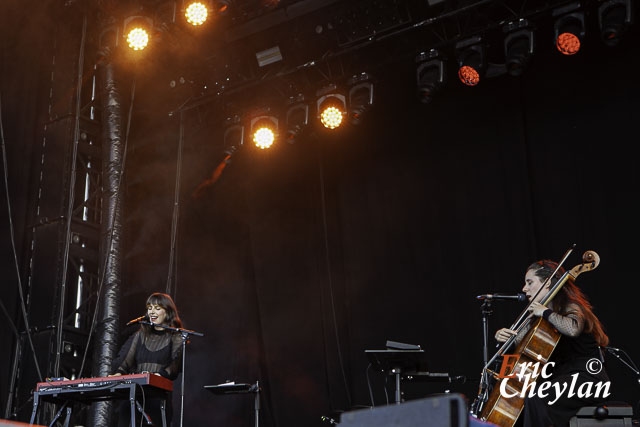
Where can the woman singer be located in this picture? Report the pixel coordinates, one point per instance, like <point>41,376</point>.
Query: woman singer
<point>582,336</point>
<point>155,350</point>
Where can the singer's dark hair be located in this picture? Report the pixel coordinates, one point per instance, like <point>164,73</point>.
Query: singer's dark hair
<point>570,295</point>
<point>165,301</point>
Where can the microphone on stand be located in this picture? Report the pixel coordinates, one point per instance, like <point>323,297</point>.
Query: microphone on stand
<point>136,320</point>
<point>520,297</point>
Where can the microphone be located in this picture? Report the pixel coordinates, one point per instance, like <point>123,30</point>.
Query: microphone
<point>136,320</point>
<point>520,297</point>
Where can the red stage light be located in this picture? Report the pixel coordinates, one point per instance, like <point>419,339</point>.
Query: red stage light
<point>568,43</point>
<point>468,75</point>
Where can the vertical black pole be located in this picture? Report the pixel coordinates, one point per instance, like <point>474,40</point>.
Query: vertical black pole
<point>106,342</point>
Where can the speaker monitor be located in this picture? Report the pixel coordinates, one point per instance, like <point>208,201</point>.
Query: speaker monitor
<point>606,415</point>
<point>449,410</point>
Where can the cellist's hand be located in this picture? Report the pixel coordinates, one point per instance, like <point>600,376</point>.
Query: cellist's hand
<point>536,309</point>
<point>504,334</point>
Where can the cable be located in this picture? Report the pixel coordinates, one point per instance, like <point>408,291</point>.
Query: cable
<point>13,325</point>
<point>386,394</point>
<point>57,415</point>
<point>23,306</point>
<point>144,403</point>
<point>172,273</point>
<point>629,359</point>
<point>110,237</point>
<point>71,199</point>
<point>328,262</point>
<point>373,405</point>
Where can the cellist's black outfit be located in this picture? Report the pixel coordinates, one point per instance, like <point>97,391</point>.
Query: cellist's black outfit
<point>571,355</point>
<point>150,350</point>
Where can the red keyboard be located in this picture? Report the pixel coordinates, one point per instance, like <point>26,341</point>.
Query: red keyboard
<point>151,380</point>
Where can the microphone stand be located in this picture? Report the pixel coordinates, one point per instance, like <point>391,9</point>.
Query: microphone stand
<point>630,364</point>
<point>484,383</point>
<point>184,333</point>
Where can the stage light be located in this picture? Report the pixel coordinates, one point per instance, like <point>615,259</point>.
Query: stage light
<point>331,116</point>
<point>221,7</point>
<point>137,31</point>
<point>430,75</point>
<point>233,132</point>
<point>264,131</point>
<point>360,97</point>
<point>518,46</point>
<point>138,38</point>
<point>331,106</point>
<point>568,29</point>
<point>264,137</point>
<point>614,18</point>
<point>109,37</point>
<point>470,56</point>
<point>196,13</point>
<point>297,119</point>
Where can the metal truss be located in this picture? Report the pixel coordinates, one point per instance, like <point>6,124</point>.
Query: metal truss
<point>62,267</point>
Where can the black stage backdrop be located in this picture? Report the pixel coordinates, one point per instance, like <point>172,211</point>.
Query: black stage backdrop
<point>300,258</point>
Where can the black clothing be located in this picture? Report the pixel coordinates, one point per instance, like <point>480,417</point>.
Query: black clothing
<point>571,357</point>
<point>155,352</point>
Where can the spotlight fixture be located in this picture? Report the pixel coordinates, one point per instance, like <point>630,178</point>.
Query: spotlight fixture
<point>233,133</point>
<point>518,46</point>
<point>221,7</point>
<point>568,29</point>
<point>264,131</point>
<point>332,107</point>
<point>296,119</point>
<point>470,57</point>
<point>360,97</point>
<point>196,12</point>
<point>430,75</point>
<point>137,31</point>
<point>614,17</point>
<point>109,37</point>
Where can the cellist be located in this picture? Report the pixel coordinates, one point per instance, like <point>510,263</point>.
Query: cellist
<point>582,336</point>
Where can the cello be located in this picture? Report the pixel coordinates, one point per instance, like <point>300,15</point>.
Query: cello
<point>536,347</point>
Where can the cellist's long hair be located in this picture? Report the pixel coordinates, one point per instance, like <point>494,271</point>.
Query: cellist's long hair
<point>164,301</point>
<point>569,295</point>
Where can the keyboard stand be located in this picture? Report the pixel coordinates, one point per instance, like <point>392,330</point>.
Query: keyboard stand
<point>80,395</point>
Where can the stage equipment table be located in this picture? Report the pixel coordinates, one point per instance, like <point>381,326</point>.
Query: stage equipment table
<point>88,390</point>
<point>397,363</point>
<point>239,388</point>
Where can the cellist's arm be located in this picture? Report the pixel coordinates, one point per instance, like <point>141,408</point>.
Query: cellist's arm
<point>504,334</point>
<point>570,324</point>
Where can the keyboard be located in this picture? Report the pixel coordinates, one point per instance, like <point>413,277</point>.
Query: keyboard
<point>104,388</point>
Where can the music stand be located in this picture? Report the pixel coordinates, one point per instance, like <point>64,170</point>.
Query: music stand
<point>239,388</point>
<point>395,362</point>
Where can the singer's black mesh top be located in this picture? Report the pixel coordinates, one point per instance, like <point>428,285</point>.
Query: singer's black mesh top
<point>156,351</point>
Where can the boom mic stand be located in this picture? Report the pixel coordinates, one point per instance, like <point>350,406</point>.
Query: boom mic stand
<point>184,333</point>
<point>629,364</point>
<point>484,382</point>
